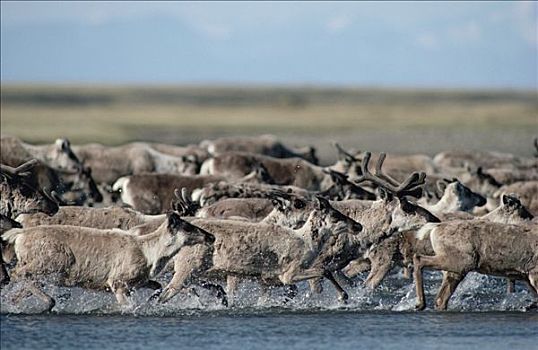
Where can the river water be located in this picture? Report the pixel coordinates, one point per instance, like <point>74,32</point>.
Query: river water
<point>481,316</point>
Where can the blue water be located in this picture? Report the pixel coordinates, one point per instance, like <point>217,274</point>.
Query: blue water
<point>274,329</point>
<point>481,316</point>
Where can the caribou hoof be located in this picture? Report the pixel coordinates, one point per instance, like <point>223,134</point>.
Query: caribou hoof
<point>420,306</point>
<point>224,301</point>
<point>533,306</point>
<point>50,305</point>
<point>166,295</point>
<point>343,298</point>
<point>64,296</point>
<point>155,295</point>
<point>4,280</point>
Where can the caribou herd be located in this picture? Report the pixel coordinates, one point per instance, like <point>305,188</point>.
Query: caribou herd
<point>237,208</point>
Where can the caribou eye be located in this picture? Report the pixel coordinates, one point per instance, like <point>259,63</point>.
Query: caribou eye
<point>408,207</point>
<point>299,204</point>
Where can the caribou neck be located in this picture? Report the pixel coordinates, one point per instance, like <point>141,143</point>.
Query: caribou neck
<point>305,232</point>
<point>445,204</point>
<point>152,245</point>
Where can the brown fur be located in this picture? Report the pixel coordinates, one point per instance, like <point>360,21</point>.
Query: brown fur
<point>274,253</point>
<point>153,193</point>
<point>491,248</point>
<point>264,144</point>
<point>253,209</point>
<point>289,171</point>
<point>58,169</point>
<point>100,259</point>
<point>486,160</point>
<point>527,192</point>
<point>110,163</point>
<point>58,155</point>
<point>99,218</point>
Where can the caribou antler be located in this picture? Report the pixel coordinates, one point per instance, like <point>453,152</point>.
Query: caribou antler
<point>26,166</point>
<point>336,176</point>
<point>184,204</point>
<point>408,187</point>
<point>380,172</point>
<point>348,156</point>
<point>20,170</point>
<point>262,173</point>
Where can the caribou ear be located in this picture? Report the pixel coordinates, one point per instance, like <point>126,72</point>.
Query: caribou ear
<point>190,158</point>
<point>63,144</point>
<point>193,158</point>
<point>441,185</point>
<point>504,199</point>
<point>510,200</point>
<point>279,203</point>
<point>174,221</point>
<point>298,203</point>
<point>384,194</point>
<point>323,203</point>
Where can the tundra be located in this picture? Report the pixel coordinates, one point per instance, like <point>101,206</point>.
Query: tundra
<point>98,259</point>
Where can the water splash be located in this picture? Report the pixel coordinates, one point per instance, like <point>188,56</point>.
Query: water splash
<point>476,293</point>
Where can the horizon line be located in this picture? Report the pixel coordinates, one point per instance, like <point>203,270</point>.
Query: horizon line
<point>261,85</point>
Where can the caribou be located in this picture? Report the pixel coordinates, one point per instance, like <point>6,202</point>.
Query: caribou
<point>98,259</point>
<point>264,144</point>
<point>492,248</point>
<point>110,163</point>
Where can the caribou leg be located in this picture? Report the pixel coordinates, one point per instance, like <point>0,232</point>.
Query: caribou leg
<point>417,272</point>
<point>448,286</point>
<point>342,295</point>
<point>38,292</point>
<point>217,290</point>
<point>510,286</point>
<point>356,267</point>
<point>231,288</point>
<point>381,264</point>
<point>290,292</point>
<point>315,285</point>
<point>120,290</point>
<point>156,286</point>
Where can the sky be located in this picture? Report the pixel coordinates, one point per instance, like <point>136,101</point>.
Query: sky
<point>385,44</point>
